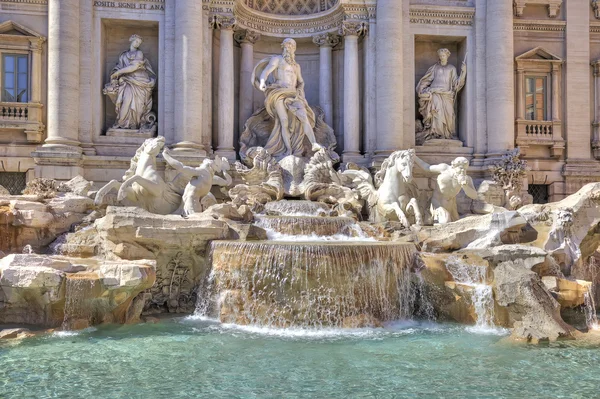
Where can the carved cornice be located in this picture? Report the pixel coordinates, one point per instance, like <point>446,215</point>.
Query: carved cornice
<point>595,27</point>
<point>433,15</point>
<point>536,25</point>
<point>225,22</point>
<point>246,36</point>
<point>553,6</point>
<point>326,39</point>
<point>40,2</point>
<point>288,26</point>
<point>353,28</point>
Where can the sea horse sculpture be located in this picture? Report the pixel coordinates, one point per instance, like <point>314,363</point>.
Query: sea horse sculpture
<point>394,193</point>
<point>142,185</point>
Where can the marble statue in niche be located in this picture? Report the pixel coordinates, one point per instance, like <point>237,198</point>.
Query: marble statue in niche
<point>132,82</point>
<point>437,92</point>
<point>287,127</point>
<point>286,103</point>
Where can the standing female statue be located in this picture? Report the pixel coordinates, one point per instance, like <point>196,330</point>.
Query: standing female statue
<point>132,81</point>
<point>437,92</point>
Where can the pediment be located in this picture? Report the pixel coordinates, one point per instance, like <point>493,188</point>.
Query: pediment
<point>13,28</point>
<point>538,54</point>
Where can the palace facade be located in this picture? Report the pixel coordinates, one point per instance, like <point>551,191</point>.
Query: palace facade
<point>532,80</point>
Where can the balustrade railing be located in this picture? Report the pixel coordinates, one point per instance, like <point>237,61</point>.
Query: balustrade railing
<point>26,117</point>
<point>14,111</point>
<point>539,128</point>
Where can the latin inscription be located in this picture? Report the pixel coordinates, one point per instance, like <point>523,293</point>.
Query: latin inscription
<point>128,4</point>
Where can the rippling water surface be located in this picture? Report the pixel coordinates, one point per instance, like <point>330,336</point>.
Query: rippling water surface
<point>196,358</point>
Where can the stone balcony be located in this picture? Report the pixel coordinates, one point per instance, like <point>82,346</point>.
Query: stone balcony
<point>26,117</point>
<point>540,133</point>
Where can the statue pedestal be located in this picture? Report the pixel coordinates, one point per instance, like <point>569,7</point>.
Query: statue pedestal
<point>442,143</point>
<point>436,151</point>
<point>146,134</point>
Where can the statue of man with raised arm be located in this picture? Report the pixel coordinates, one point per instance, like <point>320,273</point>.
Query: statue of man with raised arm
<point>280,78</point>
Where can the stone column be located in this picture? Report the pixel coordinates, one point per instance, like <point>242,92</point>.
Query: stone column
<point>520,94</point>
<point>580,168</point>
<point>63,76</point>
<point>225,111</point>
<point>499,79</point>
<point>207,85</point>
<point>390,77</point>
<point>351,31</point>
<point>189,31</point>
<point>326,43</point>
<point>555,92</point>
<point>370,89</point>
<point>247,39</point>
<point>596,125</point>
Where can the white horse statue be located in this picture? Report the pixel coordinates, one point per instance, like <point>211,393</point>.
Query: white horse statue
<point>142,185</point>
<point>394,193</point>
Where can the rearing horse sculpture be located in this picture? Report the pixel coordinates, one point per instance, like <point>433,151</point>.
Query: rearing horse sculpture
<point>142,185</point>
<point>394,193</point>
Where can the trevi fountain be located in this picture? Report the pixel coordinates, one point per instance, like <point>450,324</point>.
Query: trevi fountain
<point>292,273</point>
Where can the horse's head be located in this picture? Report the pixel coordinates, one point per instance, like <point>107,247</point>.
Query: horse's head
<point>154,145</point>
<point>404,162</point>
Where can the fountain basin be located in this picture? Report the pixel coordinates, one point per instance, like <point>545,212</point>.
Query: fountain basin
<point>309,284</point>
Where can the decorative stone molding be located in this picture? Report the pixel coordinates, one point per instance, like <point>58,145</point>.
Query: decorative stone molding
<point>279,26</point>
<point>246,36</point>
<point>326,39</point>
<point>219,21</point>
<point>434,15</point>
<point>536,25</point>
<point>353,28</point>
<point>26,117</point>
<point>540,62</point>
<point>553,6</point>
<point>290,7</point>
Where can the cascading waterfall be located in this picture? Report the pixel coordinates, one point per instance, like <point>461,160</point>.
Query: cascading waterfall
<point>482,295</point>
<point>591,318</point>
<point>311,228</point>
<point>278,284</point>
<point>297,208</point>
<point>79,308</point>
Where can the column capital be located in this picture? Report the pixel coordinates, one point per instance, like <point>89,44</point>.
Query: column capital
<point>596,67</point>
<point>222,21</point>
<point>353,28</point>
<point>326,40</point>
<point>246,36</point>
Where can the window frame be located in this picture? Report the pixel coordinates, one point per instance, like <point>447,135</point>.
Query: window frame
<point>17,55</point>
<point>547,98</point>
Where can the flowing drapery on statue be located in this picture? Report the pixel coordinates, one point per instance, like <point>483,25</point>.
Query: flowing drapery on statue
<point>297,109</point>
<point>132,81</point>
<point>293,128</point>
<point>437,92</point>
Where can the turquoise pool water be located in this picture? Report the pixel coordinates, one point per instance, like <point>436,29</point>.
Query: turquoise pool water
<point>191,358</point>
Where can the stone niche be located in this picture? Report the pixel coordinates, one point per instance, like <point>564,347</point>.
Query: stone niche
<point>115,40</point>
<point>426,47</point>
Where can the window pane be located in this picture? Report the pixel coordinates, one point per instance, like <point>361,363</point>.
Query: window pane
<point>22,65</point>
<point>529,87</point>
<point>9,63</point>
<point>22,81</point>
<point>9,80</point>
<point>539,85</point>
<point>8,95</point>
